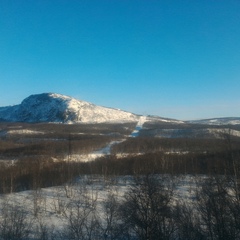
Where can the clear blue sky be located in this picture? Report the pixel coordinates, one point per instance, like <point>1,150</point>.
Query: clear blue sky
<point>172,58</point>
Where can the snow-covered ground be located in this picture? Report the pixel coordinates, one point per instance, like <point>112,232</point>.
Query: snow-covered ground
<point>52,206</point>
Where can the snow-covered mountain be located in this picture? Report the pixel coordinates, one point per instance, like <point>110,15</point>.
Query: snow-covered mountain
<point>51,107</point>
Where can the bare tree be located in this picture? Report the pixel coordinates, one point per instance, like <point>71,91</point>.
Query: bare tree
<point>110,219</point>
<point>45,232</point>
<point>188,223</point>
<point>60,205</point>
<point>14,224</point>
<point>147,210</point>
<point>215,207</point>
<point>82,218</point>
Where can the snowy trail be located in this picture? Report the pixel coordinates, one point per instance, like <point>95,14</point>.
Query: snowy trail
<point>107,149</point>
<point>139,126</point>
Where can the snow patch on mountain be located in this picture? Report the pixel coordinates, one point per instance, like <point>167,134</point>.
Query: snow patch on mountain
<point>19,132</point>
<point>220,133</point>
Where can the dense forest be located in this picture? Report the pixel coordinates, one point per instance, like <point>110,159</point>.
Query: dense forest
<point>43,158</point>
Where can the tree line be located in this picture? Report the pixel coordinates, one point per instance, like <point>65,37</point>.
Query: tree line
<point>40,171</point>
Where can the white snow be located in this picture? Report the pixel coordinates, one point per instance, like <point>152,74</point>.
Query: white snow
<point>23,131</point>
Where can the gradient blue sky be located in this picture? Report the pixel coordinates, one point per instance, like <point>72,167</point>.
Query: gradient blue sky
<point>172,58</point>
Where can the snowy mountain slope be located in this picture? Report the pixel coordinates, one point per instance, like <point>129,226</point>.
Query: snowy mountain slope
<point>51,107</point>
<point>218,121</point>
<point>207,133</point>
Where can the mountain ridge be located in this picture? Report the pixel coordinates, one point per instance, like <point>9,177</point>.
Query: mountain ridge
<point>218,121</point>
<point>53,107</point>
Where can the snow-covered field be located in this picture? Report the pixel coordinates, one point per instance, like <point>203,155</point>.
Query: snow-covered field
<point>51,207</point>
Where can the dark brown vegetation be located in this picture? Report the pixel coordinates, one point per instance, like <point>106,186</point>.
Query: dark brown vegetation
<point>174,145</point>
<point>168,125</point>
<point>39,154</point>
<point>54,140</point>
<point>185,130</point>
<point>37,166</point>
